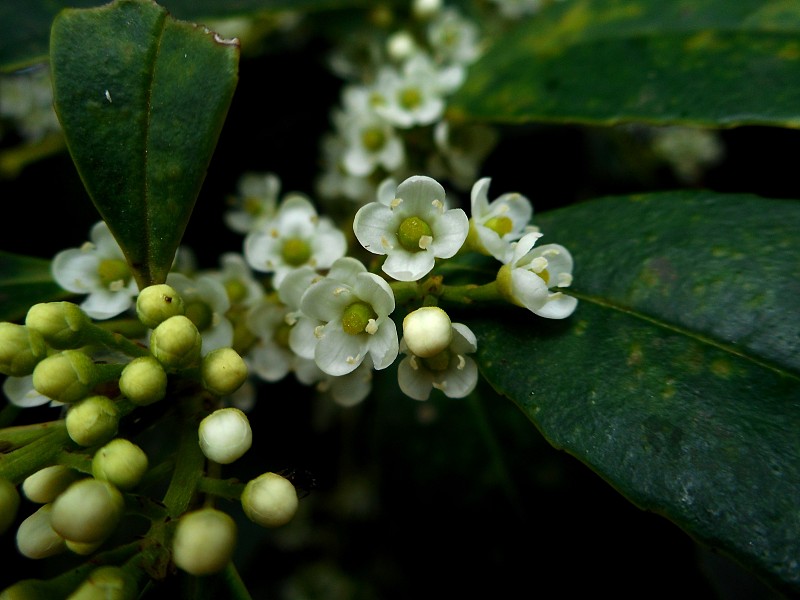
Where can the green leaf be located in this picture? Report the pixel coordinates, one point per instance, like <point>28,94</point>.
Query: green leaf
<point>142,99</point>
<point>677,379</point>
<point>702,62</point>
<point>24,281</point>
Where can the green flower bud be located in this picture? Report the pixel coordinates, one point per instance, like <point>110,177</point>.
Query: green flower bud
<point>27,589</point>
<point>223,371</point>
<point>46,484</point>
<point>427,331</point>
<point>21,349</point>
<point>36,537</point>
<point>107,583</point>
<point>93,420</point>
<point>67,376</point>
<point>157,303</point>
<point>9,503</point>
<point>121,463</point>
<point>225,435</point>
<point>204,541</point>
<point>88,511</point>
<point>269,500</point>
<point>176,343</point>
<point>83,548</point>
<point>143,381</point>
<point>61,324</point>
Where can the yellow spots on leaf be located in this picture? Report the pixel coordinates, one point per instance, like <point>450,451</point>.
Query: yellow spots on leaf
<point>722,368</point>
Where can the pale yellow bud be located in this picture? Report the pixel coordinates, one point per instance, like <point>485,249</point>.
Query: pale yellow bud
<point>176,343</point>
<point>427,331</point>
<point>36,537</point>
<point>21,349</point>
<point>46,484</point>
<point>61,324</point>
<point>223,371</point>
<point>204,541</point>
<point>67,376</point>
<point>9,503</point>
<point>88,511</point>
<point>269,500</point>
<point>143,381</point>
<point>157,303</point>
<point>92,421</point>
<point>121,463</point>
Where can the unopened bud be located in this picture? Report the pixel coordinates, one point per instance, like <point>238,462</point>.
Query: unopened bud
<point>36,537</point>
<point>204,541</point>
<point>67,376</point>
<point>427,331</point>
<point>121,463</point>
<point>61,324</point>
<point>83,548</point>
<point>225,435</point>
<point>176,343</point>
<point>107,583</point>
<point>143,381</point>
<point>46,484</point>
<point>88,511</point>
<point>21,349</point>
<point>93,420</point>
<point>269,500</point>
<point>157,303</point>
<point>9,503</point>
<point>223,371</point>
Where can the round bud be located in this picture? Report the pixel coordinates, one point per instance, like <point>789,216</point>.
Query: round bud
<point>107,583</point>
<point>61,324</point>
<point>46,484</point>
<point>92,421</point>
<point>143,381</point>
<point>9,503</point>
<point>121,463</point>
<point>36,537</point>
<point>225,435</point>
<point>157,303</point>
<point>269,500</point>
<point>176,342</point>
<point>223,371</point>
<point>88,511</point>
<point>204,541</point>
<point>427,331</point>
<point>21,349</point>
<point>67,376</point>
<point>425,9</point>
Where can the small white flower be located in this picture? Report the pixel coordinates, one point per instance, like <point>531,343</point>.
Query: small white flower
<point>26,98</point>
<point>530,274</point>
<point>297,236</point>
<point>98,269</point>
<point>206,303</point>
<point>256,202</point>
<point>495,225</point>
<point>237,278</point>
<point>354,306</point>
<point>413,229</point>
<point>454,37</point>
<point>271,358</point>
<point>335,180</point>
<point>451,370</point>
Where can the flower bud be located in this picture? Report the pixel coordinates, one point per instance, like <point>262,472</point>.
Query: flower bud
<point>121,463</point>
<point>176,343</point>
<point>36,537</point>
<point>88,511</point>
<point>61,324</point>
<point>9,503</point>
<point>27,589</point>
<point>107,583</point>
<point>21,349</point>
<point>157,303</point>
<point>269,500</point>
<point>223,371</point>
<point>67,376</point>
<point>225,435</point>
<point>93,420</point>
<point>46,484</point>
<point>427,331</point>
<point>83,548</point>
<point>204,541</point>
<point>143,381</point>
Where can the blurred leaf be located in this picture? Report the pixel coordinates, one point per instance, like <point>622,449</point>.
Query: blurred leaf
<point>703,62</point>
<point>24,281</point>
<point>142,99</point>
<point>678,377</point>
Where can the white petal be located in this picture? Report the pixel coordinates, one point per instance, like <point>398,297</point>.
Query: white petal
<point>269,361</point>
<point>327,245</point>
<point>76,270</point>
<point>414,383</point>
<point>262,251</point>
<point>464,341</point>
<point>383,346</point>
<point>294,285</point>
<point>337,352</point>
<point>375,291</point>
<point>558,306</point>
<point>345,270</point>
<point>479,199</point>
<point>302,339</point>
<point>20,392</point>
<point>529,289</point>
<point>375,225</point>
<point>297,217</point>
<point>326,300</point>
<point>449,233</point>
<point>459,383</point>
<point>408,266</point>
<point>218,336</point>
<point>105,304</point>
<point>420,190</point>
<point>524,245</point>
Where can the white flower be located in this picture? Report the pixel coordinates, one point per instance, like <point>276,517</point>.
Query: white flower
<point>451,370</point>
<point>335,181</point>
<point>462,150</point>
<point>354,306</point>
<point>26,97</point>
<point>237,278</point>
<point>495,225</point>
<point>530,273</point>
<point>454,37</point>
<point>206,303</point>
<point>271,358</point>
<point>256,203</point>
<point>413,229</point>
<point>99,269</point>
<point>297,236</point>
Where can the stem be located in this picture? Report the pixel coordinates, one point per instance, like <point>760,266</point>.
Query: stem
<point>114,340</point>
<point>189,463</point>
<point>468,294</point>
<point>40,453</point>
<point>21,435</point>
<point>235,584</point>
<point>75,460</point>
<point>224,488</point>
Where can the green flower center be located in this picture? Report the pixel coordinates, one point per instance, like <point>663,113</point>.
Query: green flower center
<point>296,252</point>
<point>373,139</point>
<point>411,231</point>
<point>500,225</point>
<point>281,335</point>
<point>439,362</point>
<point>356,317</point>
<point>112,270</point>
<point>237,291</point>
<point>200,314</point>
<point>410,98</point>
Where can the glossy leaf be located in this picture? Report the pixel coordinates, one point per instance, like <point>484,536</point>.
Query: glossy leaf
<point>24,281</point>
<point>704,62</point>
<point>142,99</point>
<point>677,379</point>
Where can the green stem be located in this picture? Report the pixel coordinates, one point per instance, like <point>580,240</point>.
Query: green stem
<point>40,453</point>
<point>114,340</point>
<point>189,463</point>
<point>130,328</point>
<point>75,460</point>
<point>471,293</point>
<point>224,488</point>
<point>235,584</point>
<point>21,435</point>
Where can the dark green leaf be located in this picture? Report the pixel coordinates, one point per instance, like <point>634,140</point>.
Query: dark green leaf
<point>24,281</point>
<point>142,99</point>
<point>677,379</point>
<point>705,62</point>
